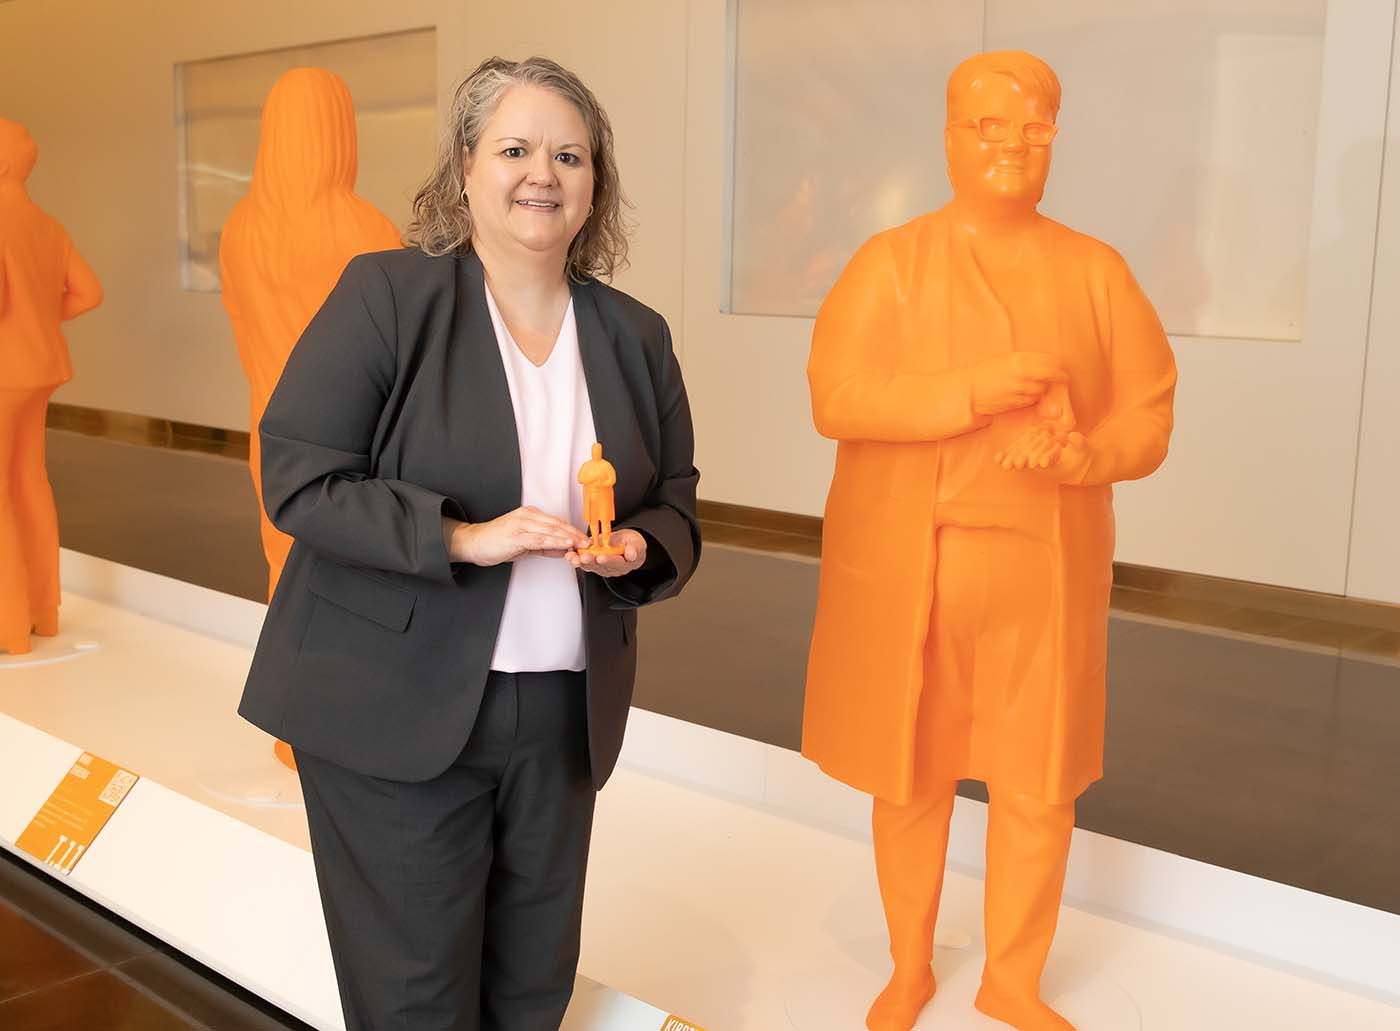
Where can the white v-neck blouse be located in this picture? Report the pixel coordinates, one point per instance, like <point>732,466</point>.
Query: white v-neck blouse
<point>542,626</point>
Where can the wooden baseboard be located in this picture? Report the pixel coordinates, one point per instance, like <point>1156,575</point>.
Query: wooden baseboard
<point>1288,601</point>
<point>760,519</point>
<point>1195,587</point>
<point>147,430</point>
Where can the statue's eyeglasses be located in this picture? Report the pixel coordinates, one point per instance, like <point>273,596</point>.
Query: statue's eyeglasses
<point>998,130</point>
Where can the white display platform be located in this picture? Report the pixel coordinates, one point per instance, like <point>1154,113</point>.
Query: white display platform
<point>729,879</point>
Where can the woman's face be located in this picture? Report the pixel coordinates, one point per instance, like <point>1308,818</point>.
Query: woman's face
<point>530,180</point>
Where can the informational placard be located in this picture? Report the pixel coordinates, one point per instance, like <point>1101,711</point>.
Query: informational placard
<point>596,1007</point>
<point>67,824</point>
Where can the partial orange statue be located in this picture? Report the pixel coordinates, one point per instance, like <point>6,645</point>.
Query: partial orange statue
<point>286,244</point>
<point>598,477</point>
<point>290,238</point>
<point>988,373</point>
<point>43,281</point>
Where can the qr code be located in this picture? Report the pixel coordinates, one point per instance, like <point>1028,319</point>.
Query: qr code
<point>117,788</point>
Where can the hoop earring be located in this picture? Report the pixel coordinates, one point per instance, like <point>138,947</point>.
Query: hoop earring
<point>465,202</point>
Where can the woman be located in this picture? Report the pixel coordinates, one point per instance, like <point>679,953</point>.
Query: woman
<point>453,675</point>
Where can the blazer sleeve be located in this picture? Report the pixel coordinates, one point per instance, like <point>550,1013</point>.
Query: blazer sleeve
<point>858,390</point>
<point>317,436</point>
<point>1131,441</point>
<point>667,518</point>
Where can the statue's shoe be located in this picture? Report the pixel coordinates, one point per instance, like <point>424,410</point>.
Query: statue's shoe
<point>897,1007</point>
<point>1024,1014</point>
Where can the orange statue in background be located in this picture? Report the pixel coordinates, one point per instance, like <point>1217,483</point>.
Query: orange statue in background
<point>988,373</point>
<point>43,281</point>
<point>598,477</point>
<point>288,241</point>
<point>286,244</point>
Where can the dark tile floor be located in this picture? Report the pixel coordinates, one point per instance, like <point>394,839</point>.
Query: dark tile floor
<point>186,515</point>
<point>66,964</point>
<point>1277,755</point>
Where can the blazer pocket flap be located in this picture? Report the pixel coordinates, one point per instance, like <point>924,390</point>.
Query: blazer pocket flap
<point>375,600</point>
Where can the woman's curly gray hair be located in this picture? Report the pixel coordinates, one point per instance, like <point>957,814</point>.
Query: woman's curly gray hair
<point>442,221</point>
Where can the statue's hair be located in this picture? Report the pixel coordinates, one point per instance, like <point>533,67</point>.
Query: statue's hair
<point>1027,69</point>
<point>19,148</point>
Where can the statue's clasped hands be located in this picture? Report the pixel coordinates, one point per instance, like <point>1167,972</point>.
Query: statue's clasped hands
<point>1051,445</point>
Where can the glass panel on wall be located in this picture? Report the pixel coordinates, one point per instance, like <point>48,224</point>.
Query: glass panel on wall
<point>1188,141</point>
<point>838,117</point>
<point>393,80</point>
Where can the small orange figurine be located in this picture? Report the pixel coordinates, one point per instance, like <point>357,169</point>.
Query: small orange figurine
<point>988,374</point>
<point>287,242</point>
<point>43,281</point>
<point>598,476</point>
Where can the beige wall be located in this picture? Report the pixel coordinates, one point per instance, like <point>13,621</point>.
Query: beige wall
<point>1259,486</point>
<point>1374,567</point>
<point>94,84</point>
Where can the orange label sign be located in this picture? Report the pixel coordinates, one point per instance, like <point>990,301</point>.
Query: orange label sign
<point>81,805</point>
<point>677,1024</point>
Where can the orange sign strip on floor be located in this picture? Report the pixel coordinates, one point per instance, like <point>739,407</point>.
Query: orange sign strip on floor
<point>85,799</point>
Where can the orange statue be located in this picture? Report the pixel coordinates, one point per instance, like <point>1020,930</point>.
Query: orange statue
<point>287,242</point>
<point>598,477</point>
<point>43,281</point>
<point>988,374</point>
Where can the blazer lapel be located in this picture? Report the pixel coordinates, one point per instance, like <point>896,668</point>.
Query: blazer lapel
<point>479,415</point>
<point>614,413</point>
